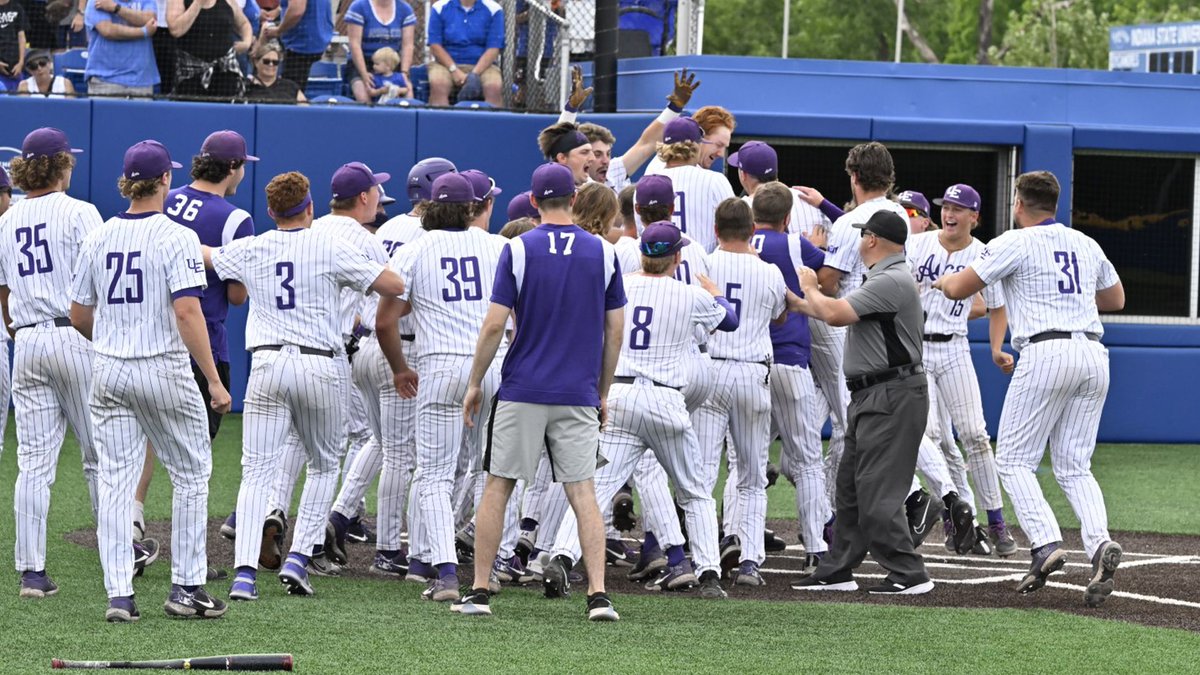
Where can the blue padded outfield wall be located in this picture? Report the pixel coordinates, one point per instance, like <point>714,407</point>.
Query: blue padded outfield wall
<point>1047,114</point>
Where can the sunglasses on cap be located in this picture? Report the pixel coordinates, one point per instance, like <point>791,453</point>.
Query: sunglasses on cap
<point>269,62</point>
<point>657,248</point>
<point>916,213</point>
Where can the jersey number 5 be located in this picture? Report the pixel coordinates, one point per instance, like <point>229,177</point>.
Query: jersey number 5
<point>124,265</point>
<point>35,249</point>
<point>286,273</point>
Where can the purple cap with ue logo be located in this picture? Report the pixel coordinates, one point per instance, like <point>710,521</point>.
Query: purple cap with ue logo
<point>962,194</point>
<point>148,159</point>
<point>914,199</point>
<point>757,159</point>
<point>552,180</point>
<point>226,146</point>
<point>355,178</point>
<point>46,142</point>
<point>654,190</point>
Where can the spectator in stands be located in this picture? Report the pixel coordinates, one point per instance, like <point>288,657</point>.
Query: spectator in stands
<point>42,81</point>
<point>265,86</point>
<point>38,29</point>
<point>655,18</point>
<point>465,38</point>
<point>305,31</point>
<point>120,54</point>
<point>66,16</point>
<point>206,52</point>
<point>387,83</point>
<point>522,60</point>
<point>372,25</point>
<point>14,27</point>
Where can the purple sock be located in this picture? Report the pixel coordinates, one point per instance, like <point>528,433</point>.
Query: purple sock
<point>995,516</point>
<point>1047,547</point>
<point>189,589</point>
<point>247,571</point>
<point>650,543</point>
<point>674,555</point>
<point>447,570</point>
<point>298,558</point>
<point>390,554</point>
<point>528,524</point>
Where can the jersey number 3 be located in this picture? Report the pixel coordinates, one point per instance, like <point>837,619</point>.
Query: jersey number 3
<point>286,273</point>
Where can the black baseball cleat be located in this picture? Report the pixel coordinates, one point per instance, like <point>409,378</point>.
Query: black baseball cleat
<point>923,514</point>
<point>623,517</point>
<point>772,474</point>
<point>197,604</point>
<point>556,577</point>
<point>145,552</point>
<point>962,522</point>
<point>1047,561</point>
<point>335,543</point>
<point>772,543</point>
<point>731,553</point>
<point>270,554</point>
<point>359,532</point>
<point>1104,563</point>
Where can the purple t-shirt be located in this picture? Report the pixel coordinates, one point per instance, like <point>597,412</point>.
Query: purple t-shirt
<point>791,340</point>
<point>216,222</point>
<point>560,281</point>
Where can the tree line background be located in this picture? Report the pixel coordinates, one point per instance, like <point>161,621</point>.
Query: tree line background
<point>1047,33</point>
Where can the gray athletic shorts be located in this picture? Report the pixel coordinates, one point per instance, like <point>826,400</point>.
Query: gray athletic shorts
<point>517,432</point>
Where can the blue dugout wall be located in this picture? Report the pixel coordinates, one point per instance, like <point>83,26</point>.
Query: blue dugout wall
<point>1047,114</point>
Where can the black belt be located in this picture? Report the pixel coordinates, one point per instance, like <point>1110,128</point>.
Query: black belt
<point>59,322</point>
<point>408,337</point>
<point>766,380</point>
<point>309,351</point>
<point>938,337</point>
<point>872,379</point>
<point>621,379</point>
<point>1060,335</point>
<point>703,348</point>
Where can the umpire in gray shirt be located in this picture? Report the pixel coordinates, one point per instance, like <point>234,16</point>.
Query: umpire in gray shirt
<point>889,402</point>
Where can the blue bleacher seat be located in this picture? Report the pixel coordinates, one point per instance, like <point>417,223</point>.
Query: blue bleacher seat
<point>71,64</point>
<point>474,105</point>
<point>336,100</point>
<point>324,79</point>
<point>405,103</point>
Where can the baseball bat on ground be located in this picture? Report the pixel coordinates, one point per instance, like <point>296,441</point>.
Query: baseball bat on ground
<point>259,662</point>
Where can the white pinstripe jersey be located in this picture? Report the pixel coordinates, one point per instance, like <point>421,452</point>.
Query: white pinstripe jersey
<point>757,291</point>
<point>843,241</point>
<point>1050,275</point>
<point>353,233</point>
<point>129,268</point>
<point>697,194</point>
<point>617,177</point>
<point>40,240</point>
<point>692,260</point>
<point>295,279</point>
<point>661,320</point>
<point>629,254</point>
<point>396,232</point>
<point>448,277</point>
<point>804,218</point>
<point>928,260</point>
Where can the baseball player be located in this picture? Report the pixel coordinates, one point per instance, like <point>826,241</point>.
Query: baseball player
<point>697,191</point>
<point>1055,280</point>
<point>603,169</point>
<point>398,415</point>
<point>947,357</point>
<point>5,191</point>
<point>792,389</point>
<point>39,243</point>
<point>717,124</point>
<point>294,276</point>
<point>648,409</point>
<point>563,143</point>
<point>758,164</point>
<point>741,401</point>
<point>136,294</point>
<point>520,207</point>
<point>449,275</point>
<point>917,207</point>
<point>203,207</point>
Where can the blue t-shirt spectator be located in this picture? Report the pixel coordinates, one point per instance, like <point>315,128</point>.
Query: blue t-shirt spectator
<point>376,34</point>
<point>396,78</point>
<point>315,30</point>
<point>654,17</point>
<point>466,32</point>
<point>129,63</point>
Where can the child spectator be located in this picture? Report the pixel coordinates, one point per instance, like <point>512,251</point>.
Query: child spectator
<point>387,83</point>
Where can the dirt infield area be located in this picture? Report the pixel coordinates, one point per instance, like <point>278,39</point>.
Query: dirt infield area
<point>1158,583</point>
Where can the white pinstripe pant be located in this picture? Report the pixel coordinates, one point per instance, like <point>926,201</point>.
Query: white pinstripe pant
<point>154,397</point>
<point>741,405</point>
<point>792,394</point>
<point>644,415</point>
<point>290,393</point>
<point>398,434</point>
<point>369,375</point>
<point>1056,395</point>
<point>953,382</point>
<point>828,351</point>
<point>53,377</point>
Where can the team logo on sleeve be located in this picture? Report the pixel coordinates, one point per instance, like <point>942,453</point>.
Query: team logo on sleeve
<point>195,265</point>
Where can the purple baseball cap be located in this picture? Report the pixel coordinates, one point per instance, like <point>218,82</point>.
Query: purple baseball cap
<point>355,178</point>
<point>654,190</point>
<point>520,207</point>
<point>661,239</point>
<point>914,199</point>
<point>226,146</point>
<point>682,129</point>
<point>4,181</point>
<point>453,188</point>
<point>962,194</point>
<point>483,184</point>
<point>757,159</point>
<point>46,142</point>
<point>552,180</point>
<point>148,159</point>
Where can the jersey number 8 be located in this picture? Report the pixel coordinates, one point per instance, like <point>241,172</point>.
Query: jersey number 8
<point>639,336</point>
